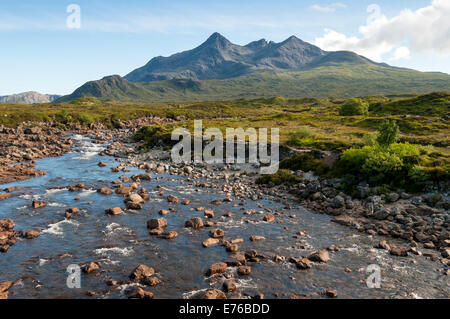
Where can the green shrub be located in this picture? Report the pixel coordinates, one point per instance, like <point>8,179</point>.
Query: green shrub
<point>369,140</point>
<point>388,133</point>
<point>155,136</point>
<point>380,165</point>
<point>354,106</point>
<point>85,119</point>
<point>301,133</point>
<point>305,162</point>
<point>283,176</point>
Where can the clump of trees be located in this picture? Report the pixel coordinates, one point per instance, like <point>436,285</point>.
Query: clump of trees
<point>354,106</point>
<point>389,162</point>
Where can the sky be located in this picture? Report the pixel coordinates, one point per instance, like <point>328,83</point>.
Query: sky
<point>55,46</point>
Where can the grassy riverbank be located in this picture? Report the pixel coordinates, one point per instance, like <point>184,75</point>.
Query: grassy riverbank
<point>304,123</point>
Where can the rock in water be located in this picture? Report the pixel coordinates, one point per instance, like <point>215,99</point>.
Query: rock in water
<point>142,273</point>
<point>320,256</point>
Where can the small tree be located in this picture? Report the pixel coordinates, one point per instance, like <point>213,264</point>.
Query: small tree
<point>354,106</point>
<point>388,133</point>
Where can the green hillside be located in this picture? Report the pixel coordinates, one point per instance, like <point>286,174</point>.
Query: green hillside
<point>328,79</point>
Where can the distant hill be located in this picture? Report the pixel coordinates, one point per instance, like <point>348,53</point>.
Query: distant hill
<point>28,98</point>
<point>219,69</point>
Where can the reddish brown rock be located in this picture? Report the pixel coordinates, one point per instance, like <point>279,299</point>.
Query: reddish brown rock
<point>90,267</point>
<point>210,242</point>
<point>139,293</point>
<point>229,285</point>
<point>32,234</point>
<point>123,190</point>
<point>217,268</point>
<point>6,224</point>
<point>244,270</point>
<point>169,235</point>
<point>152,281</point>
<point>142,273</point>
<point>320,256</point>
<point>256,238</point>
<point>4,287</point>
<point>213,294</point>
<point>209,213</point>
<point>4,196</point>
<point>135,198</point>
<point>331,293</point>
<point>399,251</point>
<point>157,223</point>
<point>217,233</point>
<point>195,222</point>
<point>172,199</point>
<point>105,191</point>
<point>37,205</point>
<point>304,263</point>
<point>114,211</point>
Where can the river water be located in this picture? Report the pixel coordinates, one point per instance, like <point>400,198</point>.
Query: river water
<point>120,243</point>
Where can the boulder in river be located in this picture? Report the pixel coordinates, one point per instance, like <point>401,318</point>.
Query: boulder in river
<point>210,242</point>
<point>169,235</point>
<point>195,223</point>
<point>217,268</point>
<point>304,263</point>
<point>139,293</point>
<point>256,238</point>
<point>229,285</point>
<point>217,233</point>
<point>172,199</point>
<point>399,251</point>
<point>244,270</point>
<point>6,224</point>
<point>209,213</point>
<point>213,294</point>
<point>114,211</point>
<point>37,205</point>
<point>320,256</point>
<point>90,267</point>
<point>32,234</point>
<point>142,273</point>
<point>157,223</point>
<point>105,191</point>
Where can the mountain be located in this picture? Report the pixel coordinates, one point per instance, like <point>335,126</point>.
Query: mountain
<point>218,58</point>
<point>28,98</point>
<point>114,87</point>
<point>219,69</point>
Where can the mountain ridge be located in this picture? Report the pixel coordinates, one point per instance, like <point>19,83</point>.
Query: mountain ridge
<point>30,97</point>
<point>218,58</point>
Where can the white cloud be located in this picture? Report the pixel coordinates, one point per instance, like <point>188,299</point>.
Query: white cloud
<point>328,9</point>
<point>400,54</point>
<point>426,29</point>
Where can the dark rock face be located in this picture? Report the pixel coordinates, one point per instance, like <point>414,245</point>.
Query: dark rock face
<point>218,58</point>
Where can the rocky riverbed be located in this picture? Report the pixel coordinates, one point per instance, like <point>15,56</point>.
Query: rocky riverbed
<point>141,227</point>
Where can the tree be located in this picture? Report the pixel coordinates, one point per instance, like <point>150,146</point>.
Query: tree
<point>354,106</point>
<point>388,133</point>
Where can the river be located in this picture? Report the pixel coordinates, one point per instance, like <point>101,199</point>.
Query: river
<point>120,243</point>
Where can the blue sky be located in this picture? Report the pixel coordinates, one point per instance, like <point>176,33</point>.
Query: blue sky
<point>39,52</point>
